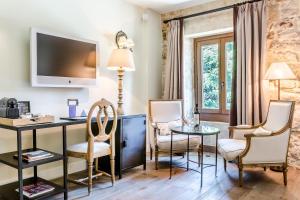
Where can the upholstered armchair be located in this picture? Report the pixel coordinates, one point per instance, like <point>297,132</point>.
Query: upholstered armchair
<point>162,115</point>
<point>264,145</point>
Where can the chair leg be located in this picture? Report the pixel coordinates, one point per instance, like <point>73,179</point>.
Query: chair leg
<point>199,157</point>
<point>112,169</point>
<point>156,159</point>
<point>265,168</point>
<point>284,174</point>
<point>97,165</point>
<point>151,152</point>
<point>90,178</point>
<point>240,175</point>
<point>225,165</point>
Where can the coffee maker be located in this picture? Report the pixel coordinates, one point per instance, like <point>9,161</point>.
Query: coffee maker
<point>9,108</point>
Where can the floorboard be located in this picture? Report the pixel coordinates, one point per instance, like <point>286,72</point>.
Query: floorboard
<point>152,184</point>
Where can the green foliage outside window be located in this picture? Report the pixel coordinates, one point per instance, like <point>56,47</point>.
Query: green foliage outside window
<point>229,65</point>
<point>210,76</point>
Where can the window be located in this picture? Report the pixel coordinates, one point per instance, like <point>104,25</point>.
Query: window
<point>213,65</point>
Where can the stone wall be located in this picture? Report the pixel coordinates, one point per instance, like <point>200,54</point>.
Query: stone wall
<point>283,44</point>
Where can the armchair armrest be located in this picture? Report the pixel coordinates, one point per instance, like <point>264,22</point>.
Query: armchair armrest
<point>154,125</point>
<point>238,132</point>
<point>264,149</point>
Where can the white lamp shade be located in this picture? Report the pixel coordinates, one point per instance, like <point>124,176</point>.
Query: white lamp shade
<point>280,71</point>
<point>121,59</point>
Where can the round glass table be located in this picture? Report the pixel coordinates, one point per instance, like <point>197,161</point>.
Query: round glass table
<point>195,130</point>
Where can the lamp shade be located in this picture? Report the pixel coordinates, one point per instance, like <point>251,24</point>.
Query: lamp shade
<point>279,71</point>
<point>121,59</point>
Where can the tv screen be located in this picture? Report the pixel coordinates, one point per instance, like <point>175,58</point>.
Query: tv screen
<point>63,57</point>
<point>62,61</point>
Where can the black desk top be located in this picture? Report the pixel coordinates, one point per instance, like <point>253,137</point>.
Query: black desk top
<point>58,123</point>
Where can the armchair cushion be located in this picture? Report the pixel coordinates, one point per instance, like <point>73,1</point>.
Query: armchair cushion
<point>179,142</point>
<point>230,149</point>
<point>278,116</point>
<point>165,111</point>
<point>164,127</point>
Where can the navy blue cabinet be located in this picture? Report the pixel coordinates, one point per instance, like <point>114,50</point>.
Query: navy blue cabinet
<point>130,144</point>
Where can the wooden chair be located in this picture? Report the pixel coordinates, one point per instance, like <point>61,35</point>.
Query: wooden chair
<point>96,146</point>
<point>264,145</point>
<point>164,112</point>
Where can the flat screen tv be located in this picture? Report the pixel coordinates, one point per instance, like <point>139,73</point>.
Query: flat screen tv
<point>62,61</point>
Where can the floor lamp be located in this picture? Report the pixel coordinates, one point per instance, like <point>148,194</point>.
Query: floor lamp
<point>121,60</point>
<point>279,71</point>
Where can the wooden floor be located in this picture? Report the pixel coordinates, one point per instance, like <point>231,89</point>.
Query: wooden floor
<point>151,184</point>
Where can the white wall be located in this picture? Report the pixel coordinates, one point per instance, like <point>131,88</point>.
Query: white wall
<point>93,19</point>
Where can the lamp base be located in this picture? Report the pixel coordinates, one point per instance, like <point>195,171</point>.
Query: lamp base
<point>120,110</point>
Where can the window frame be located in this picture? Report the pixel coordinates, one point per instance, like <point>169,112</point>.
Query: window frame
<point>220,114</point>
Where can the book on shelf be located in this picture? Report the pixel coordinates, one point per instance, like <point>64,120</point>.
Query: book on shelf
<point>36,189</point>
<point>35,155</point>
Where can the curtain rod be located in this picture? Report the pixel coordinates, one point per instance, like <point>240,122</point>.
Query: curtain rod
<point>210,11</point>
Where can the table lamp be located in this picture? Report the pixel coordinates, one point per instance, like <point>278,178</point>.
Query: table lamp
<point>279,71</point>
<point>121,60</point>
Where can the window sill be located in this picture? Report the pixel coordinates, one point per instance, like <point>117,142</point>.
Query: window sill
<point>216,117</point>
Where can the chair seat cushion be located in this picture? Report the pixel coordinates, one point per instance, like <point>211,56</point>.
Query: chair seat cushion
<point>100,149</point>
<point>230,149</point>
<point>179,142</point>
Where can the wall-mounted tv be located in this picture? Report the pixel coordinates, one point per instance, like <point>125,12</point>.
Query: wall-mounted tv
<point>62,61</point>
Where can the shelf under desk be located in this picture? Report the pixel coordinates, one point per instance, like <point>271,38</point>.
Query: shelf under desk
<point>8,191</point>
<point>8,159</point>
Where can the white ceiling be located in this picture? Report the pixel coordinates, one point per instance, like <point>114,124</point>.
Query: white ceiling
<point>163,6</point>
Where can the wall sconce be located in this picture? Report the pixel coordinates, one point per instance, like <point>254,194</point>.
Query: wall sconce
<point>123,42</point>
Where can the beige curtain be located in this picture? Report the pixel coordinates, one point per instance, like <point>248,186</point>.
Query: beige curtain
<point>249,95</point>
<point>173,81</point>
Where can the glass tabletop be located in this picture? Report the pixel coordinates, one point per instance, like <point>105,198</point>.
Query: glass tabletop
<point>195,130</point>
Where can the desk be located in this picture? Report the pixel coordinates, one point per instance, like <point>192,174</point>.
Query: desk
<point>8,191</point>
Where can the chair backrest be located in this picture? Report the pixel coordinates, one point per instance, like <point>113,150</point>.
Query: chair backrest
<point>165,110</point>
<point>280,115</point>
<point>103,105</point>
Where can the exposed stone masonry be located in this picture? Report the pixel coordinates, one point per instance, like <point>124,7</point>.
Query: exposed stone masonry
<point>283,44</point>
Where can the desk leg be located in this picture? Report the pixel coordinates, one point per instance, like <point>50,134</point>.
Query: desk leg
<point>20,164</point>
<point>171,154</point>
<point>216,155</point>
<point>34,148</point>
<point>65,160</point>
<point>201,160</point>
